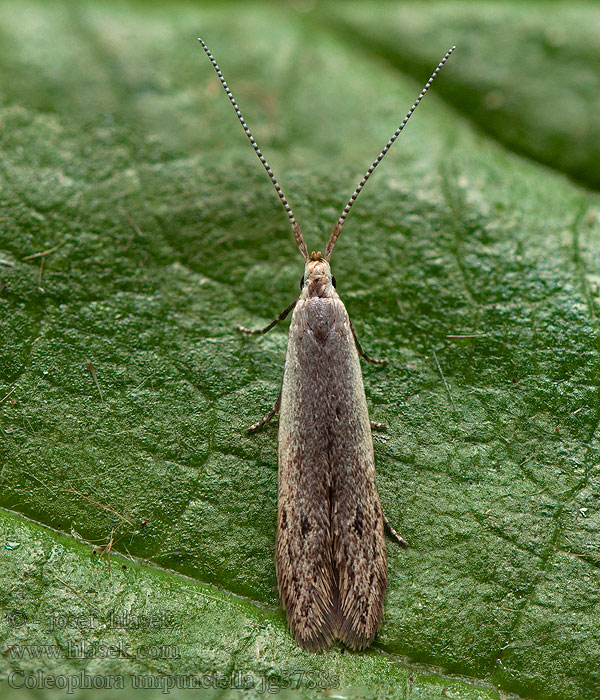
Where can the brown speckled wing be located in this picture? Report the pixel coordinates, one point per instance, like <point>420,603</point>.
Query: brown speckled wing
<point>331,562</point>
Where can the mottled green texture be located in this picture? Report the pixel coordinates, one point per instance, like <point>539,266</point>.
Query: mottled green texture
<point>473,270</point>
<point>167,629</point>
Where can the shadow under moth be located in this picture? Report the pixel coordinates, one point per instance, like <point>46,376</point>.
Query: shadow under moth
<point>330,550</point>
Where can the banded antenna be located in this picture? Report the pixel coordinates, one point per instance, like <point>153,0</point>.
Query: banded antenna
<point>340,222</point>
<point>296,230</point>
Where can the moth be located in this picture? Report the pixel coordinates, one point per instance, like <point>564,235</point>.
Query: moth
<point>330,550</point>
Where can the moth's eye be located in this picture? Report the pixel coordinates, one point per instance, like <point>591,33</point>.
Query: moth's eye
<point>333,281</point>
<point>302,283</point>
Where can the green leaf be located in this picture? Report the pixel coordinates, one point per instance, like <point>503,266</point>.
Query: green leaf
<point>132,626</point>
<point>526,74</point>
<point>125,389</point>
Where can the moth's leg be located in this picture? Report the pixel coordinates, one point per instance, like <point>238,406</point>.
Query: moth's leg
<point>362,353</point>
<point>260,331</point>
<point>399,539</point>
<point>267,418</point>
<point>378,426</point>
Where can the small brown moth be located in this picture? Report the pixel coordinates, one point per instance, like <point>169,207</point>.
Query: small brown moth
<point>330,552</point>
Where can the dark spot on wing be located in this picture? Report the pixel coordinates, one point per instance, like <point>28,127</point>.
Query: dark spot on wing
<point>358,521</point>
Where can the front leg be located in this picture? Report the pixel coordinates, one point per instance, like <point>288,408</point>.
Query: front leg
<point>261,331</point>
<point>266,329</point>
<point>362,353</point>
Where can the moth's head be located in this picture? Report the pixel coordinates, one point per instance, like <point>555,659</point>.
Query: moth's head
<point>317,280</point>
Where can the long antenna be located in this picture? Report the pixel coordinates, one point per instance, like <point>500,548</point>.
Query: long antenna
<point>340,222</point>
<point>296,230</point>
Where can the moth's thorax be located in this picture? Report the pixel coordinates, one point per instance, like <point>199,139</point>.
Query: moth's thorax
<point>317,278</point>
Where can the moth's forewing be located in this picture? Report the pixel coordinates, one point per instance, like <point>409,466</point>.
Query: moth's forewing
<point>331,560</point>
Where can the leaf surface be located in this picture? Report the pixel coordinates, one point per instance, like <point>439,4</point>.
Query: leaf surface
<point>125,389</point>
